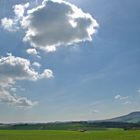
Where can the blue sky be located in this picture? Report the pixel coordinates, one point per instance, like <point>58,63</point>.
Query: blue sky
<point>91,80</point>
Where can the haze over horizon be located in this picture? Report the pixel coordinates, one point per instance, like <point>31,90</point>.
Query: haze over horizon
<point>69,60</point>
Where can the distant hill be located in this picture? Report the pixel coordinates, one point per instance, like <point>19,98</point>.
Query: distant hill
<point>81,126</point>
<point>126,122</point>
<point>133,117</point>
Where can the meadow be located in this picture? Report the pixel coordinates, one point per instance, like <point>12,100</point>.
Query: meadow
<point>112,134</point>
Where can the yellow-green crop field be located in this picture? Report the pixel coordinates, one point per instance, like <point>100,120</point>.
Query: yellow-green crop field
<point>68,135</point>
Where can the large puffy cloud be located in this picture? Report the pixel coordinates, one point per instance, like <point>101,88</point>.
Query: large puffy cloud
<point>56,23</point>
<point>13,69</point>
<point>16,68</point>
<point>53,23</point>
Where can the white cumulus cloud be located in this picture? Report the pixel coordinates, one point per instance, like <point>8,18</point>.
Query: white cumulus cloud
<point>13,69</point>
<point>36,64</point>
<point>46,74</point>
<point>8,24</point>
<point>32,51</point>
<point>19,9</point>
<point>56,23</point>
<point>52,24</point>
<point>13,24</point>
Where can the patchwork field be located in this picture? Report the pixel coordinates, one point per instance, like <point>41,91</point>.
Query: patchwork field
<point>114,134</point>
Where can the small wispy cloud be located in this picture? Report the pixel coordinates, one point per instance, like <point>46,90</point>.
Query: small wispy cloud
<point>8,24</point>
<point>14,100</point>
<point>36,64</point>
<point>119,97</point>
<point>125,100</point>
<point>138,91</point>
<point>32,51</point>
<point>95,111</point>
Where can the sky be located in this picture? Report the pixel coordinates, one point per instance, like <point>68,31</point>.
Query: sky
<point>69,60</point>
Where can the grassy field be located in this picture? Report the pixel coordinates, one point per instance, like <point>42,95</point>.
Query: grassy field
<point>68,135</point>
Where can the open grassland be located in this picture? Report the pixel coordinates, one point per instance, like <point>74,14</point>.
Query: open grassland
<point>68,135</point>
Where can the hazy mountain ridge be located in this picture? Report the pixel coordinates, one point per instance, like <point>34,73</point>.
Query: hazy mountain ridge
<point>133,117</point>
<point>126,122</point>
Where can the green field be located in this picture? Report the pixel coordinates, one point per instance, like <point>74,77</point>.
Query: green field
<point>68,135</point>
